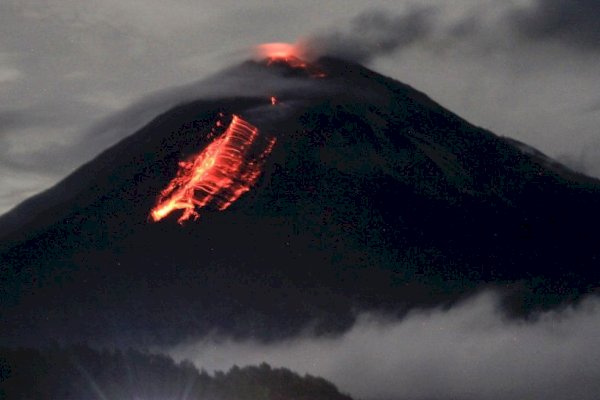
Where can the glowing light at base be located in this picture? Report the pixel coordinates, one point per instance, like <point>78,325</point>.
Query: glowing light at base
<point>218,175</point>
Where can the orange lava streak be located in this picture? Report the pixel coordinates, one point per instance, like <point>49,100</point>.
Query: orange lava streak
<point>218,175</point>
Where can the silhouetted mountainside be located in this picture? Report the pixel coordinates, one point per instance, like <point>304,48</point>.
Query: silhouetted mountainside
<point>374,197</point>
<point>79,372</point>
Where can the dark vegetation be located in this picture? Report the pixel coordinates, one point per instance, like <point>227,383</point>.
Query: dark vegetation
<point>82,373</point>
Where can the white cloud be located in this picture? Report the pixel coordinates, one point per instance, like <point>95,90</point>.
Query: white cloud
<point>468,352</point>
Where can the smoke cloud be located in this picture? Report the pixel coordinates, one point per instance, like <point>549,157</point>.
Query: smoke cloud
<point>471,351</point>
<point>574,22</point>
<point>375,33</point>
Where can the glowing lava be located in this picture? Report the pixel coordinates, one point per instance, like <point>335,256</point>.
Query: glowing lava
<point>281,52</point>
<point>218,175</point>
<point>289,54</point>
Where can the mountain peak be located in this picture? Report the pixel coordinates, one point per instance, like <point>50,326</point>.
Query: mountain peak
<point>350,192</point>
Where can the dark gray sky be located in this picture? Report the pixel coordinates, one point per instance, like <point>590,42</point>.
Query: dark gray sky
<point>524,69</point>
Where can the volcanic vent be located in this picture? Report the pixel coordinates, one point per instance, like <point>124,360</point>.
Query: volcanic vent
<point>322,188</point>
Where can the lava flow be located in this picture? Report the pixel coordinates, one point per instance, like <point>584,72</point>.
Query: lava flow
<point>218,175</point>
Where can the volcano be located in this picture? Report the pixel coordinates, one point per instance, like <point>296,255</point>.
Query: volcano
<point>344,191</point>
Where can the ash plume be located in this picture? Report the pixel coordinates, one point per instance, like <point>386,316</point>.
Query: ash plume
<point>375,33</point>
<point>572,22</point>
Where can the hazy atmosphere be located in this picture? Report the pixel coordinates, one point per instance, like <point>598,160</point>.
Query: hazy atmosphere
<point>523,69</point>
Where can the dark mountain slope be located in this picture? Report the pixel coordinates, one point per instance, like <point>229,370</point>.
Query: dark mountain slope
<point>374,197</point>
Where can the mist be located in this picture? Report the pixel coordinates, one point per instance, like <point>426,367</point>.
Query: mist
<point>470,351</point>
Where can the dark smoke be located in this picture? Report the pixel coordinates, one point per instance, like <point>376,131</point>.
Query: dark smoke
<point>375,33</point>
<point>573,22</point>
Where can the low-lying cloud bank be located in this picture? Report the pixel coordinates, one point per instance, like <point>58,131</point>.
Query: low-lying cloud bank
<point>471,351</point>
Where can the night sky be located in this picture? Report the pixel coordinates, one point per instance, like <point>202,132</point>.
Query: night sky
<point>77,77</point>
